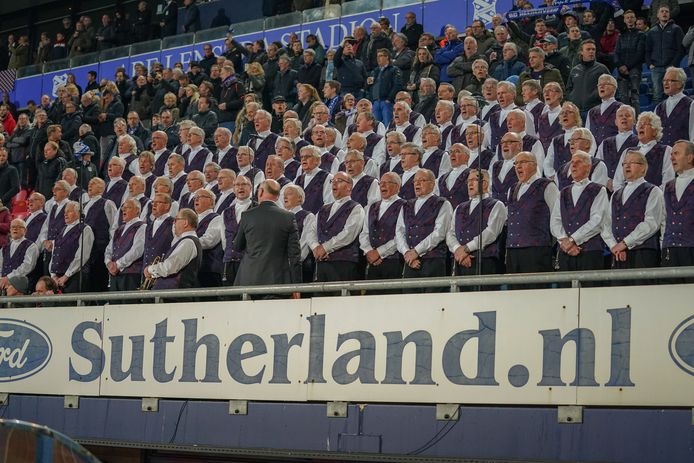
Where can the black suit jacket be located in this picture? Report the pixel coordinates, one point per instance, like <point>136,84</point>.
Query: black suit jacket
<point>270,239</point>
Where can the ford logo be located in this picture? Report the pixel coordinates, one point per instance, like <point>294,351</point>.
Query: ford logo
<point>682,345</point>
<point>24,350</point>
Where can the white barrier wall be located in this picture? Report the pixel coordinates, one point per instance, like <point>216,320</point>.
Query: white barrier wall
<point>603,346</point>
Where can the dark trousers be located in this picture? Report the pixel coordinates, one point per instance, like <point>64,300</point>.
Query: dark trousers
<point>308,269</point>
<point>98,274</point>
<point>389,269</point>
<point>535,259</point>
<point>35,274</point>
<point>210,279</point>
<point>230,271</point>
<point>125,282</point>
<point>677,257</point>
<point>490,266</point>
<point>72,285</point>
<point>637,258</point>
<point>331,270</point>
<point>629,87</point>
<point>587,260</point>
<point>434,267</point>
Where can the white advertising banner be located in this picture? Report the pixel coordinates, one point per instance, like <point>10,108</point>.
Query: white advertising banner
<point>613,346</point>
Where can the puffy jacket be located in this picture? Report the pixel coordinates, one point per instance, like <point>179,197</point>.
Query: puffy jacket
<point>445,56</point>
<point>352,72</point>
<point>664,45</point>
<point>631,49</point>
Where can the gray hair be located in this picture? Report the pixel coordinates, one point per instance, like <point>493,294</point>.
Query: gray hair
<point>654,120</point>
<point>299,191</point>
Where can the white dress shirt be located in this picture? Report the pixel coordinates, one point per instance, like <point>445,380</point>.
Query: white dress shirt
<point>213,235</point>
<point>387,249</point>
<point>222,197</point>
<point>443,220</point>
<point>309,224</point>
<point>668,172</point>
<point>495,224</point>
<point>379,152</point>
<point>592,227</point>
<point>445,165</point>
<point>670,104</point>
<point>682,182</point>
<point>454,174</point>
<point>417,138</point>
<point>348,234</point>
<point>653,217</point>
<point>136,250</point>
<point>182,256</point>
<point>549,159</point>
<point>81,256</point>
<point>44,227</point>
<point>552,113</point>
<point>240,206</point>
<point>29,262</point>
<point>257,179</point>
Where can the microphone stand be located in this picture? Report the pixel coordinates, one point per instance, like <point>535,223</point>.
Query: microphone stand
<point>81,224</point>
<point>480,191</point>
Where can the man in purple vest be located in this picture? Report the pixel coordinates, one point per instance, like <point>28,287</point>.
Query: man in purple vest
<point>210,230</point>
<point>305,221</point>
<point>245,156</point>
<point>116,186</point>
<point>123,255</point>
<point>601,118</point>
<point>678,238</point>
<point>159,230</point>
<point>231,219</point>
<point>225,181</point>
<point>410,157</point>
<point>577,217</point>
<point>474,140</point>
<point>69,265</point>
<point>581,140</point>
<point>515,122</point>
<point>364,187</point>
<point>161,153</point>
<point>491,105</point>
<point>146,162</point>
<point>421,228</point>
<point>649,132</point>
<point>443,115</point>
<point>333,143</point>
<point>611,149</point>
<point>127,151</point>
<point>503,173</point>
<point>36,218</point>
<point>55,222</point>
<point>529,243</point>
<point>176,173</point>
<point>264,144</point>
<point>548,125</point>
<point>211,172</point>
<point>635,215</point>
<point>198,156</point>
<point>286,149</point>
<point>559,151</point>
<point>469,107</point>
<point>314,181</point>
<point>464,238</point>
<point>677,111</point>
<point>377,237</point>
<point>394,141</point>
<point>226,154</point>
<point>530,92</point>
<point>195,180</point>
<point>183,148</point>
<point>18,257</point>
<point>414,117</point>
<point>180,265</point>
<point>329,161</point>
<point>375,143</point>
<point>274,170</point>
<point>357,141</point>
<point>496,128</point>
<point>434,158</point>
<point>136,191</point>
<point>334,242</point>
<point>100,214</point>
<point>401,123</point>
<point>453,184</point>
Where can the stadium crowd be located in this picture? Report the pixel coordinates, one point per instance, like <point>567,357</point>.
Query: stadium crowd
<point>523,146</point>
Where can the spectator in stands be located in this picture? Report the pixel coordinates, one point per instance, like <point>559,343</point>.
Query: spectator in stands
<point>142,22</point>
<point>169,19</point>
<point>663,49</point>
<point>351,71</point>
<point>582,86</point>
<point>9,179</point>
<point>19,53</point>
<point>509,65</point>
<point>531,40</point>
<point>230,101</point>
<point>45,286</point>
<point>80,42</point>
<point>106,35</point>
<point>423,67</point>
<point>484,38</point>
<point>654,10</point>
<point>688,42</point>
<point>629,59</point>
<point>234,51</point>
<point>412,30</point>
<point>377,41</point>
<point>310,71</point>
<point>45,49</point>
<point>383,84</point>
<point>630,228</point>
<point>220,20</point>
<point>208,58</point>
<point>50,169</point>
<point>678,247</point>
<point>70,123</point>
<point>677,111</point>
<point>285,84</point>
<point>191,16</point>
<point>59,50</point>
<point>460,68</point>
<point>453,49</point>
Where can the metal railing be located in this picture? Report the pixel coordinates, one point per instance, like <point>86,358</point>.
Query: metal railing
<point>355,288</point>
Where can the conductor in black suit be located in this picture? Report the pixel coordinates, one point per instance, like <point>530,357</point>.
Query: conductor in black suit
<point>269,237</point>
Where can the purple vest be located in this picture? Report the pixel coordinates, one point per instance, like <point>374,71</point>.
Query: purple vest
<point>300,144</point>
<point>211,258</point>
<point>116,192</point>
<point>10,263</point>
<point>187,201</point>
<point>314,190</point>
<point>564,178</point>
<point>98,222</point>
<point>419,226</point>
<point>385,168</point>
<point>300,217</point>
<point>654,157</point>
<point>528,217</point>
<point>157,244</point>
<point>56,222</point>
<point>562,152</point>
<point>407,189</point>
<point>625,217</point>
<point>198,161</point>
<point>536,112</point>
<point>178,188</point>
<point>371,142</point>
<point>485,157</point>
<point>34,227</point>
<point>603,125</point>
<point>188,276</point>
<point>283,181</point>
<point>497,131</point>
<point>458,193</point>
<point>160,164</point>
<point>433,162</point>
<point>458,134</point>
<point>676,125</point>
<point>229,161</point>
<point>122,244</point>
<point>611,154</point>
<point>574,217</point>
<point>65,249</point>
<point>250,175</point>
<point>679,223</point>
<point>547,132</point>
<point>75,194</point>
<point>263,150</point>
<point>328,228</point>
<point>149,183</point>
<point>225,204</point>
<point>467,225</point>
<point>291,169</point>
<point>127,174</point>
<point>326,161</point>
<point>493,110</point>
<point>360,191</point>
<point>382,230</point>
<point>444,136</point>
<point>500,188</point>
<point>231,226</point>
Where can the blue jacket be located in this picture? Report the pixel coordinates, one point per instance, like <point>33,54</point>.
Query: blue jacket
<point>445,55</point>
<point>508,68</point>
<point>664,45</point>
<point>386,83</point>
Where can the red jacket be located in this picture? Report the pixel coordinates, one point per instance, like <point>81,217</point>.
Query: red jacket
<point>5,219</point>
<point>9,124</point>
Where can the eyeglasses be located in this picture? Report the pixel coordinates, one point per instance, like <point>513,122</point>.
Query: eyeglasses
<point>518,163</point>
<point>510,142</point>
<point>671,81</point>
<point>338,180</point>
<point>419,181</point>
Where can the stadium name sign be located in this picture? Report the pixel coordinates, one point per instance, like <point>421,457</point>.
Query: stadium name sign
<point>527,347</point>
